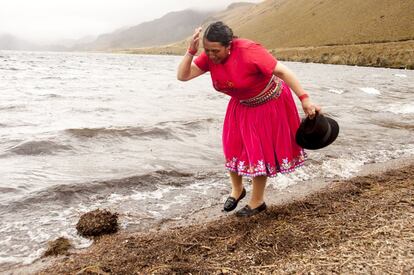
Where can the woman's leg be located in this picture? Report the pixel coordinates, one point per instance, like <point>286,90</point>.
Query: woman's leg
<point>236,185</point>
<point>257,197</point>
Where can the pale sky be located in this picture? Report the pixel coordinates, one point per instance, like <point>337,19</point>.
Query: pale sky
<point>48,20</point>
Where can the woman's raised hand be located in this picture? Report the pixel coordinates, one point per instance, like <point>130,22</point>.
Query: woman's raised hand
<point>195,41</point>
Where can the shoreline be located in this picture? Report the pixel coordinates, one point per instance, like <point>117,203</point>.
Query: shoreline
<point>200,224</point>
<point>392,54</point>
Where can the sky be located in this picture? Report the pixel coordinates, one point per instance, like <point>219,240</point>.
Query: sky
<point>46,21</point>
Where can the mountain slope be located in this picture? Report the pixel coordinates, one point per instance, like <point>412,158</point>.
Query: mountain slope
<point>308,23</point>
<point>10,42</point>
<point>366,33</point>
<point>298,23</point>
<point>172,27</point>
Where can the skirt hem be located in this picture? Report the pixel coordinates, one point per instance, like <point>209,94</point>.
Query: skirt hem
<point>265,173</point>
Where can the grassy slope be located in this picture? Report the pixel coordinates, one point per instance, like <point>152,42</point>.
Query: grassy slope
<point>303,23</point>
<point>381,32</point>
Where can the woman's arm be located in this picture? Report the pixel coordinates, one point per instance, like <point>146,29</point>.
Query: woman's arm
<point>187,70</point>
<point>290,78</point>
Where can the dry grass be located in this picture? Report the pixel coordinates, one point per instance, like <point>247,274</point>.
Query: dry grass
<point>307,23</point>
<point>96,223</point>
<point>389,55</point>
<point>364,225</point>
<point>60,246</point>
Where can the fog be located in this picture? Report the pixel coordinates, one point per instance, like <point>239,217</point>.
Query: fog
<point>46,21</point>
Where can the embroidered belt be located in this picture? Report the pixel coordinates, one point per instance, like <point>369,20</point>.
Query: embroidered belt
<point>272,90</point>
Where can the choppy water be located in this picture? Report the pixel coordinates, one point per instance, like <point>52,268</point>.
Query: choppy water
<point>80,131</point>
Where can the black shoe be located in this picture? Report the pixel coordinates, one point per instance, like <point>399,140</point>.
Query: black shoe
<point>248,212</point>
<point>231,203</point>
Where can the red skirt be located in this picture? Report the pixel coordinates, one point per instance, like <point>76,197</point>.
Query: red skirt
<point>260,140</point>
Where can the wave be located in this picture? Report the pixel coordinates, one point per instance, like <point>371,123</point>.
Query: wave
<point>163,130</point>
<point>336,91</point>
<point>82,192</point>
<point>397,109</point>
<point>151,132</point>
<point>190,124</point>
<point>52,77</point>
<point>40,147</point>
<point>12,107</point>
<point>104,109</point>
<point>8,190</point>
<point>394,125</point>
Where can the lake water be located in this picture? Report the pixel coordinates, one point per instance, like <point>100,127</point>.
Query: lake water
<point>80,131</point>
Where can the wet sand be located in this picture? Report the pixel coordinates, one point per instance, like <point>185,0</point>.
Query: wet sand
<point>361,225</point>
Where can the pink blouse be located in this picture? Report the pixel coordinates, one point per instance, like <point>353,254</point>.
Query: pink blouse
<point>246,71</point>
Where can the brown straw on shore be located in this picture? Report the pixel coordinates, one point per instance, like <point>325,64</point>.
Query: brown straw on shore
<point>363,225</point>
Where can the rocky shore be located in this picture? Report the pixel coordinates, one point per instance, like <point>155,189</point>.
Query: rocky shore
<point>361,225</point>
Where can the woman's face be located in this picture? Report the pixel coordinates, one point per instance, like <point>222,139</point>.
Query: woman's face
<point>216,51</point>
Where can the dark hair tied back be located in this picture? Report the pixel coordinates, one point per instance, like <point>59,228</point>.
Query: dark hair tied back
<point>219,32</point>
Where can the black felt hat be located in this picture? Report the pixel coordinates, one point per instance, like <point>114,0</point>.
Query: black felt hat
<point>316,133</point>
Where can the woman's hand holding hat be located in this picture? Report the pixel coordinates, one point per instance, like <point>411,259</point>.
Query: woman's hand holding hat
<point>309,108</point>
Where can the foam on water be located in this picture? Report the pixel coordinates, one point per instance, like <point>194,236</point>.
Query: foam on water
<point>371,91</point>
<point>342,167</point>
<point>400,108</point>
<point>39,231</point>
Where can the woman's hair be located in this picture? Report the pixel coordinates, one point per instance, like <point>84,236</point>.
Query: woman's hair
<point>219,32</point>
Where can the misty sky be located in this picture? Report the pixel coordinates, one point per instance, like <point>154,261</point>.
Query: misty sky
<point>49,20</point>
